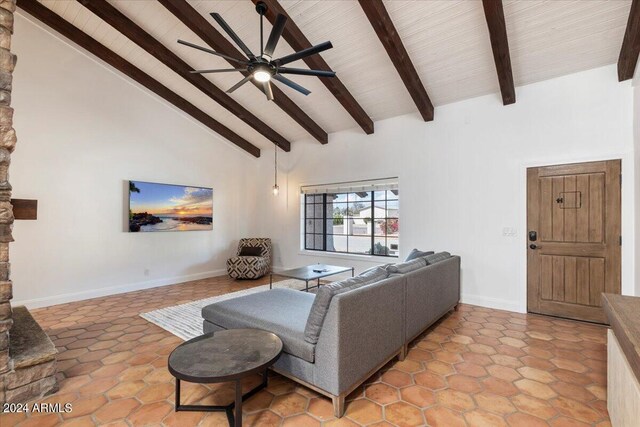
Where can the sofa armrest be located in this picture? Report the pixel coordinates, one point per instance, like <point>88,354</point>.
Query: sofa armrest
<point>431,292</point>
<point>362,330</point>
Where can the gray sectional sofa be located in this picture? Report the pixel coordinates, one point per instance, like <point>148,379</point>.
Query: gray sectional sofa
<point>334,340</point>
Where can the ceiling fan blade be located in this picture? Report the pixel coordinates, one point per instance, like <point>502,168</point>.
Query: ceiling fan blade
<point>213,52</point>
<point>292,84</point>
<point>276,32</point>
<point>232,34</point>
<point>304,53</point>
<point>240,83</point>
<point>228,70</point>
<point>305,72</point>
<point>268,90</point>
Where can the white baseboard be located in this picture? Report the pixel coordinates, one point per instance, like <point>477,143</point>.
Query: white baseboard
<point>500,304</point>
<point>112,290</point>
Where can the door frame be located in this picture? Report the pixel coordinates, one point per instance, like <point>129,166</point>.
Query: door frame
<point>622,158</point>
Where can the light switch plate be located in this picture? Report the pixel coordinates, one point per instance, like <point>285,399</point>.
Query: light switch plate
<point>508,231</point>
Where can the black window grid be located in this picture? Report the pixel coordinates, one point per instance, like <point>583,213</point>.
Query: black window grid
<point>371,200</point>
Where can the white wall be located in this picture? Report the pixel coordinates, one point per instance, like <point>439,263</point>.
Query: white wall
<point>83,130</point>
<point>462,176</point>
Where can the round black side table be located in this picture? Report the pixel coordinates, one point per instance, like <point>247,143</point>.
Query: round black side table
<point>224,356</point>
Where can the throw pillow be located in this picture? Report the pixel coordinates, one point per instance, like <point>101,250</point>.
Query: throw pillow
<point>417,254</point>
<point>407,267</point>
<point>374,274</point>
<point>440,256</point>
<point>250,251</point>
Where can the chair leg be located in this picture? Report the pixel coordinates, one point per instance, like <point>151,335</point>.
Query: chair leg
<point>338,405</point>
<point>403,352</point>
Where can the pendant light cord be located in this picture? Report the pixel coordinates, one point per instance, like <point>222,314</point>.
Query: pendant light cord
<point>276,166</point>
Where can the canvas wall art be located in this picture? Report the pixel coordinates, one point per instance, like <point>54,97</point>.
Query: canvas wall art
<point>166,207</point>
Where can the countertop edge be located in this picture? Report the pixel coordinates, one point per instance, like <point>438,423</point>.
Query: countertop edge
<point>628,340</point>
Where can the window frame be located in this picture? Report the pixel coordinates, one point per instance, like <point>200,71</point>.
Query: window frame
<point>371,201</point>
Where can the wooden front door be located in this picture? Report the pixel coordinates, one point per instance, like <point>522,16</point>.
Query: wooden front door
<point>573,238</point>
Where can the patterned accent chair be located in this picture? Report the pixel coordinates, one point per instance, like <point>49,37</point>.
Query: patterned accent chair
<point>251,267</point>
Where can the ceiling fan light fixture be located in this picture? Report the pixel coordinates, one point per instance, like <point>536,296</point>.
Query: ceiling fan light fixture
<point>262,76</point>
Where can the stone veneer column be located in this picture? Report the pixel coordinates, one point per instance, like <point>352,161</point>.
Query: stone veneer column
<point>7,144</point>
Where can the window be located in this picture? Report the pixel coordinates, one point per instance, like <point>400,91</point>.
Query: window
<point>365,222</point>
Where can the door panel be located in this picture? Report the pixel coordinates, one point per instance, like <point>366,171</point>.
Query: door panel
<point>582,214</point>
<point>558,278</point>
<point>577,280</point>
<point>582,278</point>
<point>546,210</point>
<point>575,210</point>
<point>596,207</point>
<point>572,202</point>
<point>570,284</point>
<point>572,208</point>
<point>557,213</point>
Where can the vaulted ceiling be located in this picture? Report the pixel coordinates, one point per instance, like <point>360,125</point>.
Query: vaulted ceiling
<point>448,44</point>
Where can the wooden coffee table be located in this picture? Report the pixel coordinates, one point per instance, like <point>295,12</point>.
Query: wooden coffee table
<point>307,274</point>
<point>224,356</point>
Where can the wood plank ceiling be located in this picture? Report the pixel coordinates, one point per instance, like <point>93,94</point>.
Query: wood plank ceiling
<point>447,41</point>
<point>383,26</point>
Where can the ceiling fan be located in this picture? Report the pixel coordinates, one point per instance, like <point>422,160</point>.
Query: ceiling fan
<point>262,68</point>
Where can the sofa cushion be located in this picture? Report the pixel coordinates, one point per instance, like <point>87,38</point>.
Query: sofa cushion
<point>327,292</point>
<point>281,311</point>
<point>415,253</point>
<point>406,267</point>
<point>374,274</point>
<point>440,256</point>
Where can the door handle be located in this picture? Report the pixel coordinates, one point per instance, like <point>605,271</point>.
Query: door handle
<point>533,246</point>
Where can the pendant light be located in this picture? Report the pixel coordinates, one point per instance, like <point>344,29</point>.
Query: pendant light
<point>276,188</point>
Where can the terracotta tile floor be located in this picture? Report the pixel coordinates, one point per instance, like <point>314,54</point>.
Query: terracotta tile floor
<point>476,367</point>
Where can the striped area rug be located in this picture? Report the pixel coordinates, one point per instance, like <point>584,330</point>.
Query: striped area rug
<point>185,320</point>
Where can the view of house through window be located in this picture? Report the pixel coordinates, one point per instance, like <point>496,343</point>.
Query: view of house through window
<point>365,222</point>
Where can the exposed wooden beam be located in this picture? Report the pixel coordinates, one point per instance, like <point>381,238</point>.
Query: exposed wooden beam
<point>630,44</point>
<point>136,34</point>
<point>494,14</point>
<point>297,40</point>
<point>386,31</point>
<point>25,209</point>
<point>203,29</point>
<point>47,17</point>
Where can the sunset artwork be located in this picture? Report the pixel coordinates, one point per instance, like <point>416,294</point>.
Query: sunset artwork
<point>164,207</point>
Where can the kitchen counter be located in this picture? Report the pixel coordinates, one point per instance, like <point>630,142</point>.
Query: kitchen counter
<point>623,359</point>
